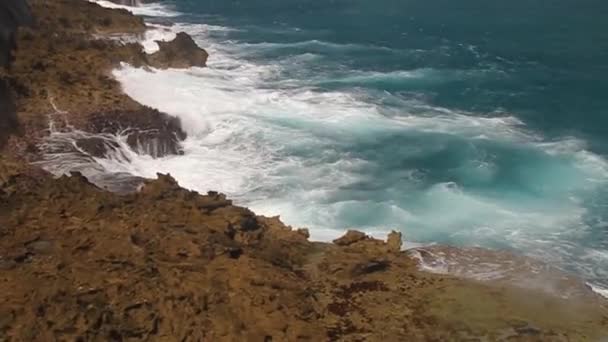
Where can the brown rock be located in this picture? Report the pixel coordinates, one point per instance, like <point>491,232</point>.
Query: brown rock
<point>370,267</point>
<point>181,52</point>
<point>73,81</point>
<point>154,265</point>
<point>164,185</point>
<point>166,263</point>
<point>350,237</point>
<point>394,242</point>
<point>304,232</point>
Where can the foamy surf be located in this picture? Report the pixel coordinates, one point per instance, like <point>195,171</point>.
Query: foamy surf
<point>271,136</point>
<point>501,267</point>
<point>152,9</point>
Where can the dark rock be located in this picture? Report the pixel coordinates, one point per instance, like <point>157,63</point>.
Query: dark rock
<point>350,237</point>
<point>7,264</point>
<point>230,231</point>
<point>527,330</point>
<point>249,223</point>
<point>148,130</point>
<point>370,267</point>
<point>77,177</point>
<point>96,146</point>
<point>304,232</point>
<point>13,13</point>
<point>132,3</point>
<point>235,252</point>
<point>21,255</point>
<point>181,52</point>
<point>6,318</point>
<point>9,123</point>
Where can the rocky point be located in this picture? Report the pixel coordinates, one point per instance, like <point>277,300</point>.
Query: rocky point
<point>163,263</point>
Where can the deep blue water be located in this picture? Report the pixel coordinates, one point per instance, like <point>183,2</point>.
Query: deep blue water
<point>545,61</point>
<point>467,122</point>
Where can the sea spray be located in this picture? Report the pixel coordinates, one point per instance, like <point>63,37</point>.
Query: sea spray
<point>433,136</point>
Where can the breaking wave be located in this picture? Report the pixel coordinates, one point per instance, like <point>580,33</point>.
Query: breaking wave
<point>331,148</point>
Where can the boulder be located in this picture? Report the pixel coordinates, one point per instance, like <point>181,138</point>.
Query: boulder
<point>394,242</point>
<point>350,237</point>
<point>181,52</point>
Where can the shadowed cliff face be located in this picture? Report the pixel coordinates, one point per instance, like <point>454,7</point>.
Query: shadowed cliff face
<point>8,117</point>
<point>13,13</point>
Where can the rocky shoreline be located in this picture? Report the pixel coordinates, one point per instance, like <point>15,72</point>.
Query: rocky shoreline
<point>61,67</point>
<point>163,263</point>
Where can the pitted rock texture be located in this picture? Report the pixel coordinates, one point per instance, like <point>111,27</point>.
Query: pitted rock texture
<point>79,263</point>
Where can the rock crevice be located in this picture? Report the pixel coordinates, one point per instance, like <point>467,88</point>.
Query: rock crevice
<point>166,262</point>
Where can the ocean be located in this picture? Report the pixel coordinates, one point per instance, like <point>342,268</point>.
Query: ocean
<point>467,123</point>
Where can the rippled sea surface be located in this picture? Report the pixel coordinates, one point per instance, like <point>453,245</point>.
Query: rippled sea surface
<point>470,123</point>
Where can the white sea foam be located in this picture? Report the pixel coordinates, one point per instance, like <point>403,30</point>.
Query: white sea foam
<point>284,148</point>
<point>315,45</point>
<point>501,266</point>
<point>599,290</point>
<point>233,114</point>
<point>145,9</point>
<point>242,135</point>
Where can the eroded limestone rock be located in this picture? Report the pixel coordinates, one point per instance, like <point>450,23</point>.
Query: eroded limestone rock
<point>181,52</point>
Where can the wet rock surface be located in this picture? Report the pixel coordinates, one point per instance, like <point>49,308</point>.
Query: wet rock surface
<point>158,262</point>
<point>181,52</point>
<point>148,131</point>
<point>167,263</point>
<point>132,3</point>
<point>62,70</point>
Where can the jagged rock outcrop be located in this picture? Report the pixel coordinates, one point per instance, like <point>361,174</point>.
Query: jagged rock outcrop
<point>148,130</point>
<point>164,263</point>
<point>72,84</point>
<point>72,81</point>
<point>181,52</point>
<point>13,14</point>
<point>167,263</point>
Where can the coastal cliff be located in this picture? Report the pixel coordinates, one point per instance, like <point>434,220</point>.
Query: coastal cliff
<point>63,67</point>
<point>163,263</point>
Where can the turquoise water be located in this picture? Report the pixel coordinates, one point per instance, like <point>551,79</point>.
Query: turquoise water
<point>462,122</point>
